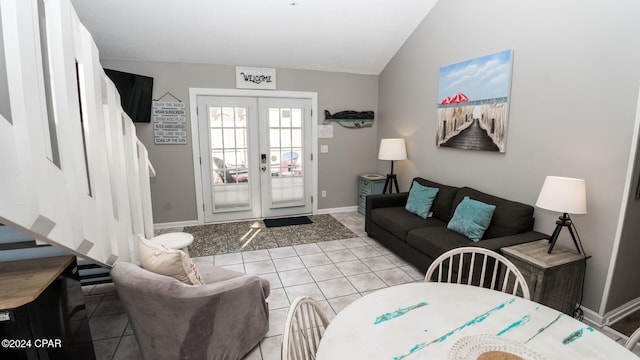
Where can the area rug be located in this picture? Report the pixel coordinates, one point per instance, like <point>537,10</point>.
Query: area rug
<point>628,324</point>
<point>287,221</point>
<point>254,235</point>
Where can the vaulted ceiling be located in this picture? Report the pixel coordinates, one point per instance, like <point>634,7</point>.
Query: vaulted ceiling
<point>353,36</point>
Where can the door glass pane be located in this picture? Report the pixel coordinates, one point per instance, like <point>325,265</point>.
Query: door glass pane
<point>286,165</point>
<point>229,159</point>
<point>274,138</point>
<point>285,119</point>
<point>296,118</point>
<point>274,118</point>
<point>296,138</point>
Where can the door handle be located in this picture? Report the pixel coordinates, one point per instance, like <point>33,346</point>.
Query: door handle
<point>263,161</point>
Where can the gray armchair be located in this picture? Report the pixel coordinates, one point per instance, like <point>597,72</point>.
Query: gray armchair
<point>223,319</point>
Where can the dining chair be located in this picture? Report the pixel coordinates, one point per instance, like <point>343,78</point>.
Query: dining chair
<point>479,267</point>
<point>633,339</point>
<point>303,329</point>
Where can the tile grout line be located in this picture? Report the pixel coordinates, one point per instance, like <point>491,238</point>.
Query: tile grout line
<point>345,276</point>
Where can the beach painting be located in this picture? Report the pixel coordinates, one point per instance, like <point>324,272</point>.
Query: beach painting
<point>473,103</point>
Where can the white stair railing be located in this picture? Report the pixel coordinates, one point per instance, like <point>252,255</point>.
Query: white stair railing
<point>73,174</point>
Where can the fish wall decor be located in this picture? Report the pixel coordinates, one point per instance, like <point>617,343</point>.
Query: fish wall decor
<point>350,119</point>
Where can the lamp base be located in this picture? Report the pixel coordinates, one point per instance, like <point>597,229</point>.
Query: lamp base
<point>563,221</point>
<point>391,181</point>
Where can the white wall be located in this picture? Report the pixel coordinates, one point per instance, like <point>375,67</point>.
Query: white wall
<point>576,73</point>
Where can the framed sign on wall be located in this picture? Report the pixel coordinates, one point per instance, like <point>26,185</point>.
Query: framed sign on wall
<point>255,78</point>
<point>169,123</point>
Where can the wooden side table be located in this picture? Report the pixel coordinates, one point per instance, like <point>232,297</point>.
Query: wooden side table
<point>554,279</point>
<point>174,240</point>
<point>368,184</point>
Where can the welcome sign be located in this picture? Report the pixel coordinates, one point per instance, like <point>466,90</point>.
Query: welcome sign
<point>255,78</point>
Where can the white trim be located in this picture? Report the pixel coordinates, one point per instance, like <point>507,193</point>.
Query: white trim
<point>337,210</point>
<point>614,315</point>
<point>623,209</point>
<point>195,141</point>
<point>621,311</point>
<point>195,148</point>
<point>592,316</point>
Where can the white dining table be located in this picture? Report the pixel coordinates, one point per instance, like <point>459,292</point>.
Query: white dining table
<point>432,320</point>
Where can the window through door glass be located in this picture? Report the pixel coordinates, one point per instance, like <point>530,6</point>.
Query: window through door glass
<point>229,158</point>
<point>286,155</point>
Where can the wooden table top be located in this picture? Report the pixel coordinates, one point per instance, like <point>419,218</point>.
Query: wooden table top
<point>23,281</point>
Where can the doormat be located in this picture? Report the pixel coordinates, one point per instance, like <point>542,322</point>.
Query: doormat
<point>224,238</point>
<point>628,324</point>
<point>296,220</point>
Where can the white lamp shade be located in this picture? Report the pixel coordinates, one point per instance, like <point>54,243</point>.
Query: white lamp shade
<point>392,149</point>
<point>562,194</point>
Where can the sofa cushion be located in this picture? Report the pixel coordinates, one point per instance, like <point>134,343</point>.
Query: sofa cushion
<point>471,218</point>
<point>433,241</point>
<point>509,217</point>
<point>442,204</point>
<point>399,222</point>
<point>420,199</point>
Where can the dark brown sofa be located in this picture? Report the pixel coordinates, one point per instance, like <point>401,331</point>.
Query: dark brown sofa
<point>420,241</point>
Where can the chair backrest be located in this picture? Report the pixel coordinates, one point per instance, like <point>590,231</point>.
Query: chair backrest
<point>633,339</point>
<point>480,267</point>
<point>303,329</point>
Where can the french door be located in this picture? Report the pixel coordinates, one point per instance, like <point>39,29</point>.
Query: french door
<point>255,157</point>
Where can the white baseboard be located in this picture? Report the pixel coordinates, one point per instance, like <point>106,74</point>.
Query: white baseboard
<point>175,224</point>
<point>337,210</point>
<point>592,316</point>
<point>611,316</point>
<point>621,311</point>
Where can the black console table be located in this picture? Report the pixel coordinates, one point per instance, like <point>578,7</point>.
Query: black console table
<point>42,311</point>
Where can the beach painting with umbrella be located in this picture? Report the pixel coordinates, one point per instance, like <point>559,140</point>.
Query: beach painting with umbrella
<point>473,101</point>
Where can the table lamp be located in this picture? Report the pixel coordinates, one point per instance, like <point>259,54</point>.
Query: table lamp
<point>392,149</point>
<point>565,195</point>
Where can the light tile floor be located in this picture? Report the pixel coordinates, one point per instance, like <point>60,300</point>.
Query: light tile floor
<point>335,273</point>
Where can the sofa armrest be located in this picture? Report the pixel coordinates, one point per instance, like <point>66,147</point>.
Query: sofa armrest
<point>498,243</point>
<point>382,200</point>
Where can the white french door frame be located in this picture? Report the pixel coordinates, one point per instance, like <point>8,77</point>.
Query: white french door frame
<point>195,138</point>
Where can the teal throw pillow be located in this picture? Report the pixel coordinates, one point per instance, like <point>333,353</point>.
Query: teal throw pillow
<point>471,218</point>
<point>420,199</point>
